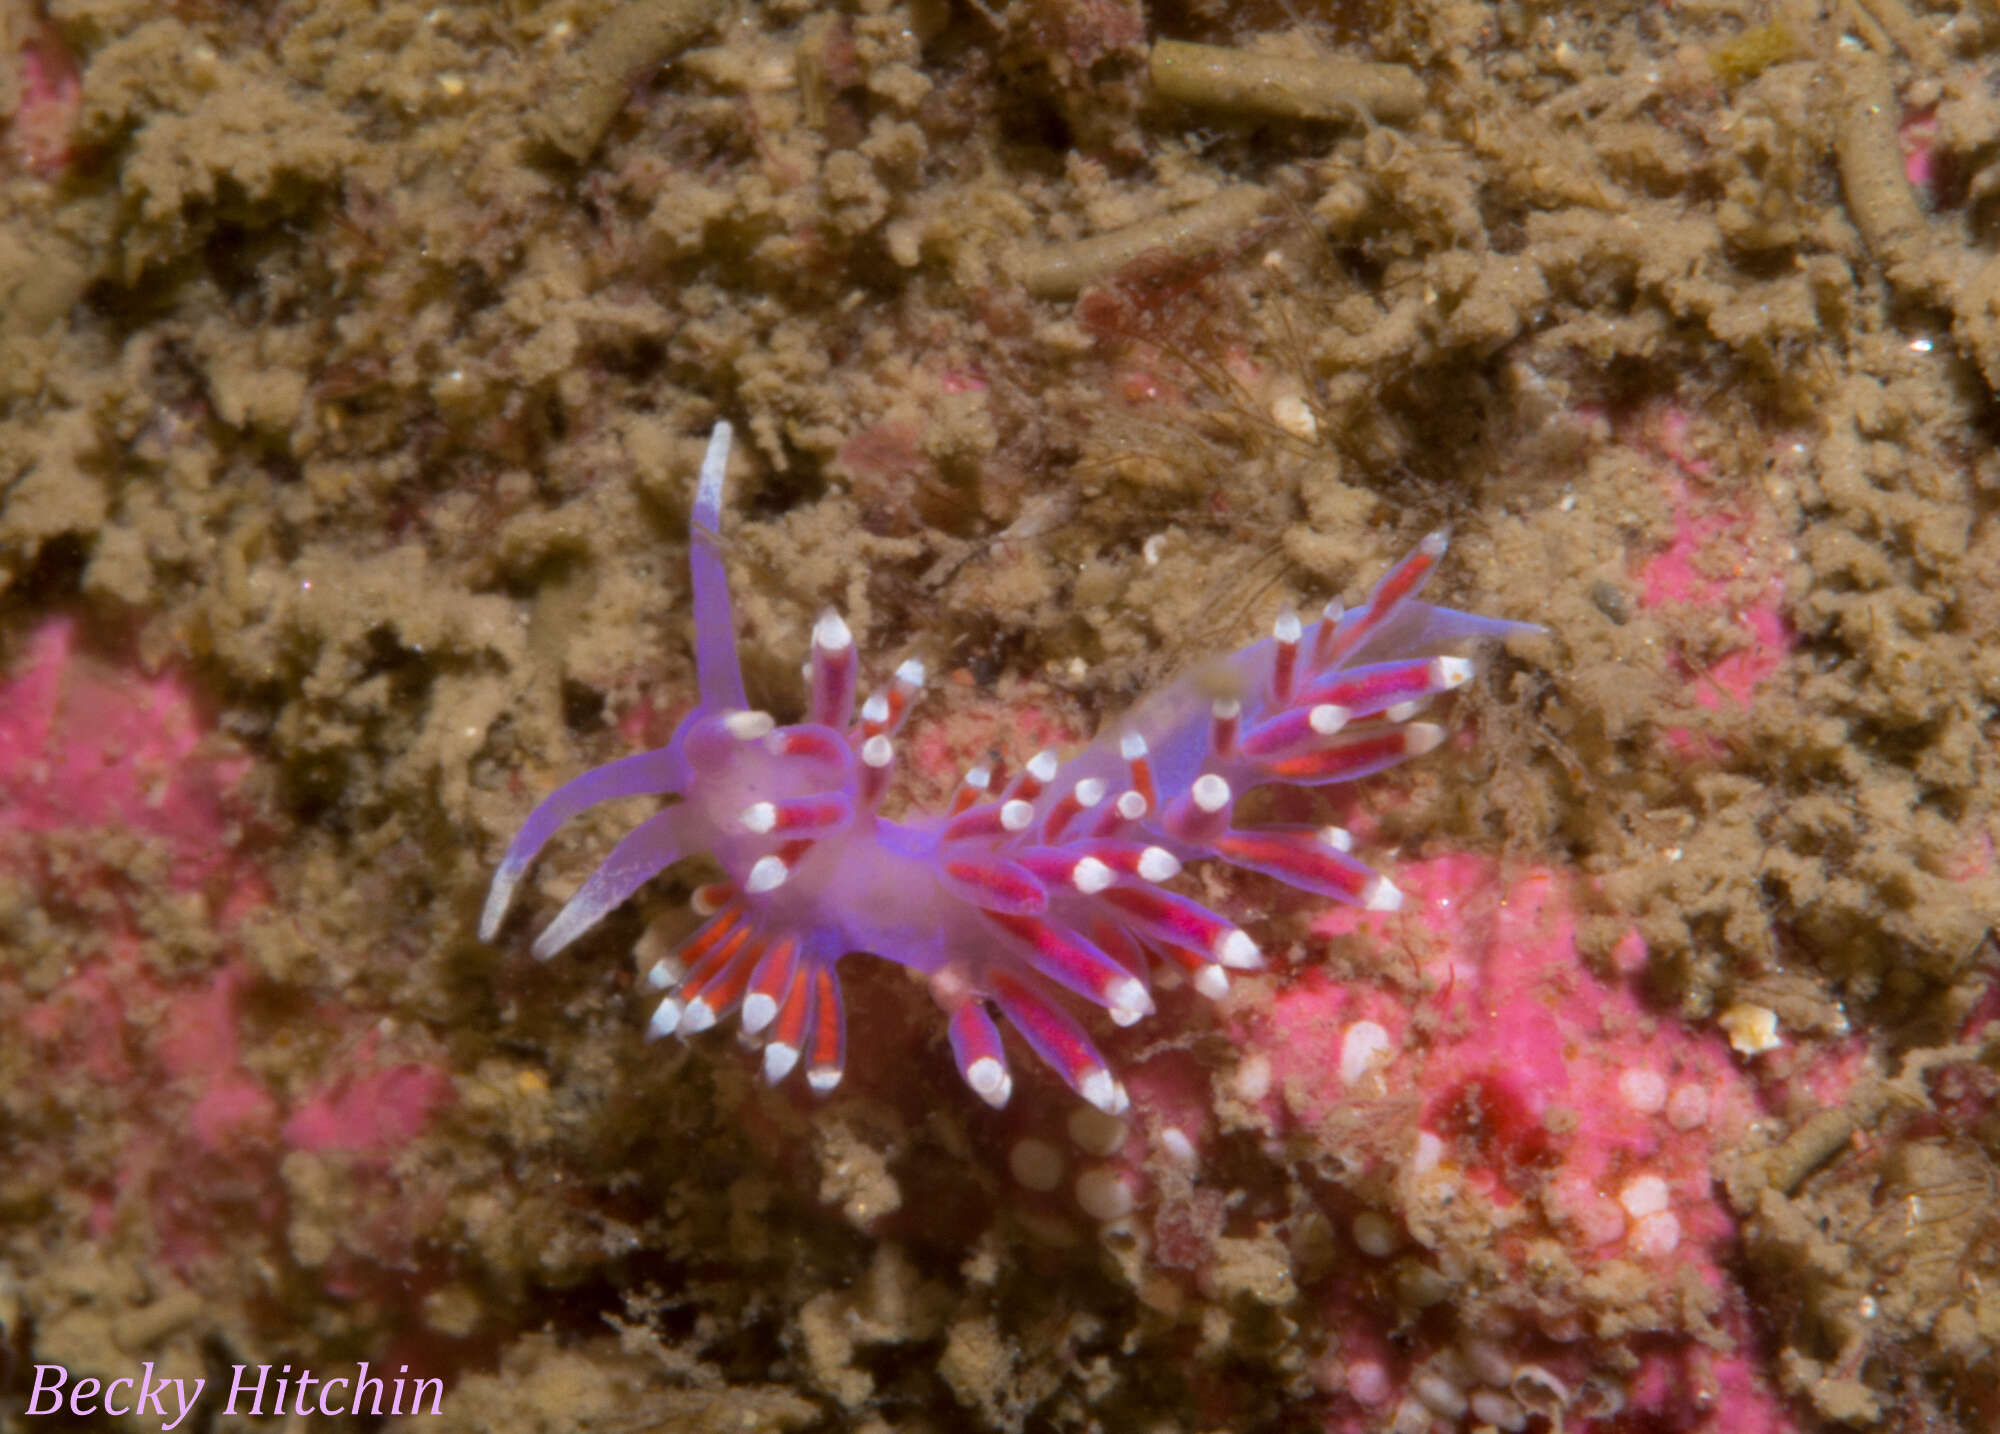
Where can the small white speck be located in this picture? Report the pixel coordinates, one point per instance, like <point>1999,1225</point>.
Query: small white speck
<point>1251,1081</point>
<point>1375,1234</point>
<point>1644,1195</point>
<point>1362,1047</point>
<point>1656,1234</point>
<point>1752,1029</point>
<point>1429,1152</point>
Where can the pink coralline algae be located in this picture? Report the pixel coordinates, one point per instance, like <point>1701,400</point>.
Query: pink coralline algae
<point>1719,559</point>
<point>1021,890</point>
<point>95,757</point>
<point>83,747</point>
<point>1487,1085</point>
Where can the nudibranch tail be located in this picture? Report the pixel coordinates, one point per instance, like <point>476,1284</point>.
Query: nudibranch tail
<point>1049,883</point>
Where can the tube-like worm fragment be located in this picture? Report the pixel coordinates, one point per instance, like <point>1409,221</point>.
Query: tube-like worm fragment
<point>1057,271</point>
<point>591,83</point>
<point>1284,86</point>
<point>1871,167</point>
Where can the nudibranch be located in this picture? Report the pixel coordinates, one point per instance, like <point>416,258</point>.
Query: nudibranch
<point>1051,882</point>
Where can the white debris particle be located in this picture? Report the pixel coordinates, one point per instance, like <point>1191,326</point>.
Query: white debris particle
<point>1375,1233</point>
<point>1657,1234</point>
<point>1644,1195</point>
<point>1752,1029</point>
<point>1430,1150</point>
<point>1364,1044</point>
<point>1252,1079</point>
<point>1295,416</point>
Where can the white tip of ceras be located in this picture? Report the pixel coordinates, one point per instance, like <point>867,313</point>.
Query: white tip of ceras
<point>831,633</point>
<point>1128,1000</point>
<point>749,726</point>
<point>1450,672</point>
<point>823,1078</point>
<point>768,874</point>
<point>1435,543</point>
<point>989,1081</point>
<point>878,752</point>
<point>1382,896</point>
<point>779,1059</point>
<point>1156,863</point>
<point>666,1020</point>
<point>759,817</point>
<point>1210,793</point>
<point>1131,805</point>
<point>1015,815</point>
<point>910,673</point>
<point>1132,747</point>
<point>759,1010</point>
<point>1339,838</point>
<point>1225,709</point>
<point>1237,951</point>
<point>875,709</point>
<point>665,974</point>
<point>1091,876</point>
<point>1327,718</point>
<point>696,1017</point>
<point>498,896</point>
<point>1287,628</point>
<point>1212,982</point>
<point>1043,765</point>
<point>1102,1091</point>
<point>1089,792</point>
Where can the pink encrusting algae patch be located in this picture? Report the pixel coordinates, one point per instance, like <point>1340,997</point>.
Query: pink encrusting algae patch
<point>1491,1074</point>
<point>371,1111</point>
<point>1724,556</point>
<point>93,755</point>
<point>83,745</point>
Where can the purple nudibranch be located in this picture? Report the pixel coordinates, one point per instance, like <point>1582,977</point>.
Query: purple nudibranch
<point>1050,883</point>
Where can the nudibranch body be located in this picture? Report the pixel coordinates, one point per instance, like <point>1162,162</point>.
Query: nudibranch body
<point>1052,881</point>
